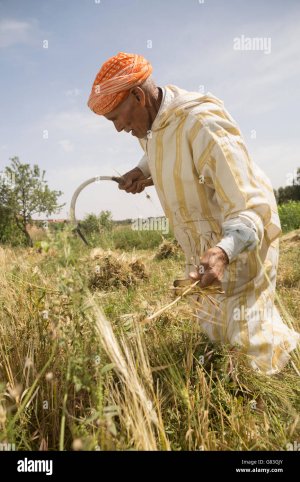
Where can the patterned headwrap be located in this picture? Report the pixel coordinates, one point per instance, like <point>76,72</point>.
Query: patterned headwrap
<point>114,80</point>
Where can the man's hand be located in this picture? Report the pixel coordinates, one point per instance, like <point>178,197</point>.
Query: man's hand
<point>212,267</point>
<point>135,181</point>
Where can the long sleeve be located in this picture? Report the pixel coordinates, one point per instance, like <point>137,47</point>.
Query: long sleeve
<point>240,234</point>
<point>243,195</point>
<point>144,167</point>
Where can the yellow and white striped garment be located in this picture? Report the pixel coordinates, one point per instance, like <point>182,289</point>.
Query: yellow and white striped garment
<point>204,177</point>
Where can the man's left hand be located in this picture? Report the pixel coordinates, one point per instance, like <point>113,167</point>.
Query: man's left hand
<point>211,270</point>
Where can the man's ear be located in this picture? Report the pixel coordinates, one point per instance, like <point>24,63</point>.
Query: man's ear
<point>139,95</point>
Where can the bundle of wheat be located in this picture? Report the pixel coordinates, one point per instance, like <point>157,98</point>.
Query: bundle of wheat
<point>113,271</point>
<point>187,287</point>
<point>168,249</point>
<point>291,239</point>
<point>139,269</point>
<point>97,253</point>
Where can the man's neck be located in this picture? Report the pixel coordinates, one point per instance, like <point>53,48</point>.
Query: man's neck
<point>159,96</point>
<point>156,103</point>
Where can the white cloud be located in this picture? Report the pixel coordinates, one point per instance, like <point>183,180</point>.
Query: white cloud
<point>67,145</point>
<point>75,122</point>
<point>95,138</point>
<point>73,92</point>
<point>14,32</point>
<point>277,159</point>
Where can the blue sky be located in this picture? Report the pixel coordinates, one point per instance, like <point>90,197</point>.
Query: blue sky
<point>192,46</point>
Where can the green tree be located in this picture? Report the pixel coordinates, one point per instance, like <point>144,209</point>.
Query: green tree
<point>105,220</point>
<point>24,192</point>
<point>291,192</point>
<point>9,232</point>
<point>90,224</point>
<point>93,224</point>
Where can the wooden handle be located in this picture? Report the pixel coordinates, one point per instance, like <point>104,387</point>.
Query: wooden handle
<point>148,182</point>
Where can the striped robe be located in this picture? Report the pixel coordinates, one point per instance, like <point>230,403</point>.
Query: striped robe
<point>204,177</point>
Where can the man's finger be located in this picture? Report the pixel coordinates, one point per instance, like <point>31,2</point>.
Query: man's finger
<point>136,187</point>
<point>140,186</point>
<point>195,275</point>
<point>207,279</point>
<point>125,185</point>
<point>132,189</point>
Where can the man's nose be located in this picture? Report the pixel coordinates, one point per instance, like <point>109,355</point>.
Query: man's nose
<point>118,126</point>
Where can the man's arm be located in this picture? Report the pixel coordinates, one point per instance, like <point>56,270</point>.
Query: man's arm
<point>244,207</point>
<point>240,234</point>
<point>138,178</point>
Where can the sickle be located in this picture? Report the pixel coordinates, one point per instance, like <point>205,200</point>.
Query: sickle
<point>76,194</point>
<point>118,179</point>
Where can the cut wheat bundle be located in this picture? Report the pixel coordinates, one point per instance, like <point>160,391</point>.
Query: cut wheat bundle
<point>168,249</point>
<point>114,271</point>
<point>184,288</point>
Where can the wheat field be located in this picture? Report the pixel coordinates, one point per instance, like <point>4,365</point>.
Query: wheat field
<point>79,371</point>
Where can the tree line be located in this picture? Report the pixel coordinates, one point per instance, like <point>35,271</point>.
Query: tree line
<point>291,192</point>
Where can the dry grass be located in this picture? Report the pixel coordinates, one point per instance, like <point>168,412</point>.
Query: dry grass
<point>168,249</point>
<point>78,370</point>
<point>113,271</point>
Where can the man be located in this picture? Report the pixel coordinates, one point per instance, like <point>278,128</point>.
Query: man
<point>220,204</point>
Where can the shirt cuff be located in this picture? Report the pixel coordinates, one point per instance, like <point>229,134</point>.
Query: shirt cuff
<point>240,234</point>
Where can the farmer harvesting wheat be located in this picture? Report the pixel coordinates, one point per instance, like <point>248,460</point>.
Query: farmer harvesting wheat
<point>220,204</point>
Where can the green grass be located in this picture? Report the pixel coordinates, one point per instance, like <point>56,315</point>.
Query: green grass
<point>289,214</point>
<point>125,238</point>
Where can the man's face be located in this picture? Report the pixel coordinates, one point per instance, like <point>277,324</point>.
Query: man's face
<point>132,114</point>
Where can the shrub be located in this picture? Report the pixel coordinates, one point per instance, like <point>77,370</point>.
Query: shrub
<point>289,214</point>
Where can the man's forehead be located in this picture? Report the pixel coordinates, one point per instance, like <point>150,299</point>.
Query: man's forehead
<point>113,114</point>
<point>120,109</point>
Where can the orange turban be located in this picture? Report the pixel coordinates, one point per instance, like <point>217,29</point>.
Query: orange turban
<point>114,80</point>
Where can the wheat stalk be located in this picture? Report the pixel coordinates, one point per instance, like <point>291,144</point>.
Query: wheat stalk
<point>187,291</point>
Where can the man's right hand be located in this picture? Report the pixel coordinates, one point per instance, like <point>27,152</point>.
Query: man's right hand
<point>135,181</point>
